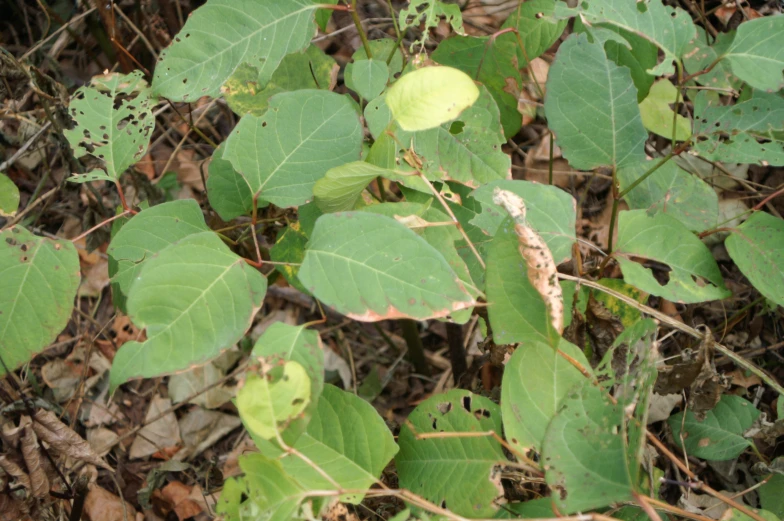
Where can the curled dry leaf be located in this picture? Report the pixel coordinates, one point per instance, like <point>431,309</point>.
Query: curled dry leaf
<point>31,453</point>
<point>11,509</point>
<point>542,271</point>
<point>64,440</point>
<point>15,471</point>
<point>102,505</point>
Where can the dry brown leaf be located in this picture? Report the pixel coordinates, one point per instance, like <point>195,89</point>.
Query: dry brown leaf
<point>159,435</point>
<point>11,509</point>
<point>741,379</point>
<point>102,505</point>
<point>31,453</point>
<point>542,272</point>
<point>180,497</point>
<point>14,470</point>
<point>64,440</point>
<point>201,429</point>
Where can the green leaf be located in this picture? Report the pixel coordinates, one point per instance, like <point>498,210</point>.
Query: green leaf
<point>284,152</point>
<point>431,96</point>
<point>591,106</point>
<point>584,452</point>
<point>9,197</point>
<point>657,113</point>
<point>348,440</point>
<point>429,12</point>
<point>771,495</point>
<point>222,34</point>
<point>536,380</point>
<point>341,188</point>
<point>640,58</point>
<point>247,94</point>
<point>694,275</point>
<point>703,55</point>
<point>467,150</point>
<point>270,401</point>
<point>670,29</point>
<point>736,515</point>
<point>146,234</point>
<point>720,435</point>
<point>757,247</point>
<point>38,282</point>
<point>368,78</point>
<point>371,267</point>
<point>757,53</point>
<point>210,299</point>
<point>491,61</point>
<point>672,191</point>
<point>290,248</point>
<point>457,473</point>
<point>759,118</point>
<point>381,50</point>
<point>227,191</point>
<point>551,212</point>
<point>537,29</point>
<point>533,508</point>
<point>117,136</point>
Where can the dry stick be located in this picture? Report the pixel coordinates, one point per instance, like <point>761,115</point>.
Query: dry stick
<point>4,166</point>
<point>662,505</point>
<point>107,221</point>
<point>32,206</point>
<point>646,506</point>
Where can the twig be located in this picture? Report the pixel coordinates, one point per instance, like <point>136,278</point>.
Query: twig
<point>19,153</point>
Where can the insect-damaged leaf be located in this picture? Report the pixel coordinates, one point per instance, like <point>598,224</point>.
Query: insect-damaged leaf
<point>470,461</point>
<point>371,267</point>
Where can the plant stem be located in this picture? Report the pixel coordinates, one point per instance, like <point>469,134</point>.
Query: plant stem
<point>457,352</point>
<point>360,30</point>
<point>416,351</point>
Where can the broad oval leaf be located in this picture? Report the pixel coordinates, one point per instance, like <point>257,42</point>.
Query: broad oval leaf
<point>222,34</point>
<point>431,96</point>
<point>536,28</point>
<point>113,122</point>
<point>195,298</point>
<point>38,282</point>
<point>694,275</point>
<point>228,191</point>
<point>9,197</point>
<point>470,462</point>
<point>720,435</point>
<point>757,247</point>
<point>536,380</point>
<point>591,107</point>
<point>302,135</point>
<point>757,53</point>
<point>144,235</point>
<point>368,78</point>
<point>371,267</point>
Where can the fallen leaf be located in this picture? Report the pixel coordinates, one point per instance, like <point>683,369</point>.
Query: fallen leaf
<point>31,453</point>
<point>178,496</point>
<point>183,385</point>
<point>59,436</point>
<point>158,435</point>
<point>200,429</point>
<point>102,505</point>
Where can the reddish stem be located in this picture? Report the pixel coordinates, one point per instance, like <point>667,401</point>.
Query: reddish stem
<point>107,221</point>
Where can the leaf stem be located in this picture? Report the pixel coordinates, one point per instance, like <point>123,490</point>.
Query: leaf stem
<point>107,221</point>
<point>416,351</point>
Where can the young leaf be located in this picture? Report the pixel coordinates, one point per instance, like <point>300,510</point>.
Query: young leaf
<point>368,78</point>
<point>757,247</point>
<point>38,282</point>
<point>657,113</point>
<point>348,440</point>
<point>591,106</point>
<point>117,136</point>
<point>470,462</point>
<point>537,29</point>
<point>210,300</point>
<point>430,12</point>
<point>673,191</point>
<point>748,122</point>
<point>671,29</point>
<point>584,452</point>
<point>9,197</point>
<point>222,34</point>
<point>431,96</point>
<point>290,248</point>
<point>694,275</point>
<point>144,235</point>
<point>227,191</point>
<point>536,380</point>
<point>269,402</point>
<point>302,135</point>
<point>371,267</point>
<point>757,53</point>
<point>552,212</point>
<point>720,435</point>
<point>247,94</point>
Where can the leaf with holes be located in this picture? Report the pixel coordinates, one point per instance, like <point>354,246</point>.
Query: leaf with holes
<point>720,435</point>
<point>591,106</point>
<point>247,94</point>
<point>348,440</point>
<point>431,96</point>
<point>429,12</point>
<point>536,380</point>
<point>222,34</point>
<point>471,462</point>
<point>670,29</point>
<point>755,127</point>
<point>210,299</point>
<point>9,197</point>
<point>38,282</point>
<point>228,192</point>
<point>302,135</point>
<point>694,275</point>
<point>757,247</point>
<point>371,267</point>
<point>368,78</point>
<point>757,53</point>
<point>673,191</point>
<point>703,55</point>
<point>113,122</point>
<point>146,234</point>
